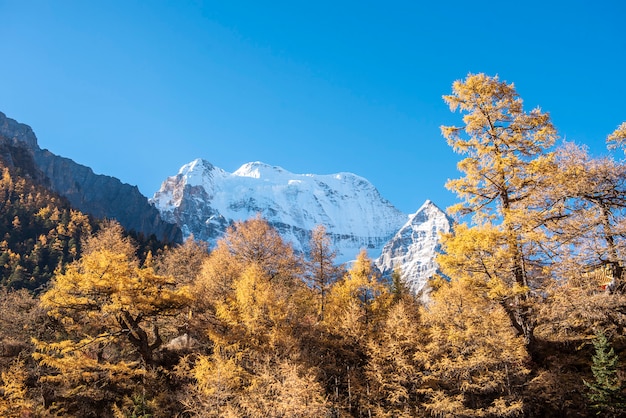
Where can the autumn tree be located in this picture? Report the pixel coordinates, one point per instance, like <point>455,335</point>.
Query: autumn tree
<point>591,193</point>
<point>276,388</point>
<point>617,139</point>
<point>254,308</point>
<point>109,309</point>
<point>357,303</point>
<point>15,401</point>
<point>21,319</point>
<point>355,312</point>
<point>394,371</point>
<point>474,363</point>
<point>247,245</point>
<point>506,151</point>
<point>321,269</point>
<point>183,262</point>
<point>255,242</point>
<point>585,241</point>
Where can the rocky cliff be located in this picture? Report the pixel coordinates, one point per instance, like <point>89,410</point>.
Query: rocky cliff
<point>99,195</point>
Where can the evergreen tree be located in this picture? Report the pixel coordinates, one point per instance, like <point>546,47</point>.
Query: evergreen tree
<point>606,393</point>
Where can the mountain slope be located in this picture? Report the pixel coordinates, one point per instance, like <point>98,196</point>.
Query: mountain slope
<point>98,195</point>
<point>203,200</point>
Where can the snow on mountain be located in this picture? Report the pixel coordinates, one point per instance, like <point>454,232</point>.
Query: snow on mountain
<point>204,200</point>
<point>414,247</point>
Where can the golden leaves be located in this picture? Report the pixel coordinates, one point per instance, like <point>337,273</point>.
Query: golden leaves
<point>617,138</point>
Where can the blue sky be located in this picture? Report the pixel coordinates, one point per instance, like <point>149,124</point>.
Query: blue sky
<point>135,89</point>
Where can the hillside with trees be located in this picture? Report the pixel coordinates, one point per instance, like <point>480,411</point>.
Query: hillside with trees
<point>39,229</point>
<point>526,320</point>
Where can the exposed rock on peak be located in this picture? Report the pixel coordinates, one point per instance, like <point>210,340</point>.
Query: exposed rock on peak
<point>414,247</point>
<point>17,134</point>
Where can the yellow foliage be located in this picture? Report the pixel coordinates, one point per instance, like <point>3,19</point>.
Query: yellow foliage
<point>473,354</point>
<point>276,388</point>
<point>14,398</point>
<point>480,256</point>
<point>105,301</point>
<point>393,371</point>
<point>358,302</point>
<point>618,138</point>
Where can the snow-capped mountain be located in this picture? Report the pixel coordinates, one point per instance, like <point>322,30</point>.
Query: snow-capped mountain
<point>414,247</point>
<point>204,200</point>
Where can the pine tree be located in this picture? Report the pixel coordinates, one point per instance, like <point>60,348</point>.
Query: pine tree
<point>606,393</point>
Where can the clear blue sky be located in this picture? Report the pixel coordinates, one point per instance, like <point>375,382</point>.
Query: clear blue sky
<point>135,89</point>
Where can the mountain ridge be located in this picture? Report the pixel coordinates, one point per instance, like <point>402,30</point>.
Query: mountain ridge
<point>203,199</point>
<point>96,194</point>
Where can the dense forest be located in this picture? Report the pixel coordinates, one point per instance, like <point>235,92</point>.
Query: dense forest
<point>525,319</point>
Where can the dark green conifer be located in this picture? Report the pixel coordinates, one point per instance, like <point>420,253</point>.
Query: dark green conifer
<point>605,393</point>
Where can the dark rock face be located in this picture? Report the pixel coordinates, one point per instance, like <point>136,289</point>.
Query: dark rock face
<point>98,195</point>
<point>17,134</point>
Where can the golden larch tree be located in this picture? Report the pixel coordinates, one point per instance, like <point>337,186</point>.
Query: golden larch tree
<point>506,153</point>
<point>108,308</point>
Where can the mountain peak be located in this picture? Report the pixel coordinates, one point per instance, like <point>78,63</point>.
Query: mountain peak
<point>199,172</point>
<point>414,247</point>
<point>18,133</point>
<point>426,211</point>
<point>195,165</point>
<point>259,170</point>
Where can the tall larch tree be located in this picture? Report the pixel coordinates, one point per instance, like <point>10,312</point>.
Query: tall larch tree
<point>588,246</point>
<point>593,224</point>
<point>322,271</point>
<point>506,154</point>
<point>394,371</point>
<point>356,310</point>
